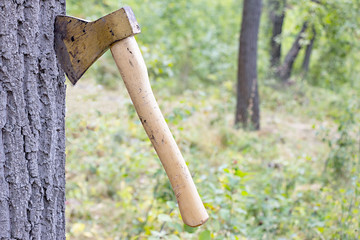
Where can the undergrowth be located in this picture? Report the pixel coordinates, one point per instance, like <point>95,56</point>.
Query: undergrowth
<point>296,178</point>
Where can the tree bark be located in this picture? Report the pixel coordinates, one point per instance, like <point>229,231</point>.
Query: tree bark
<point>247,109</point>
<point>277,15</point>
<point>308,51</point>
<point>285,69</point>
<point>32,127</point>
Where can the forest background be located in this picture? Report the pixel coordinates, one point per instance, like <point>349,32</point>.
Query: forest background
<point>297,177</point>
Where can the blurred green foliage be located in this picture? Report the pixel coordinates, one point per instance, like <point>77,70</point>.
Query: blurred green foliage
<point>280,182</point>
<point>297,178</point>
<point>335,57</point>
<point>203,53</point>
<point>196,42</point>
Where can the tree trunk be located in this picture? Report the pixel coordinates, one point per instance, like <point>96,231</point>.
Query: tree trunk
<point>308,51</point>
<point>247,109</point>
<point>285,69</point>
<point>32,129</point>
<point>277,15</point>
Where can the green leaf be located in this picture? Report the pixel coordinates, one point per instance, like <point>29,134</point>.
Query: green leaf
<point>176,226</point>
<point>189,229</point>
<point>205,235</point>
<point>244,193</point>
<point>226,170</point>
<point>171,204</point>
<point>240,173</point>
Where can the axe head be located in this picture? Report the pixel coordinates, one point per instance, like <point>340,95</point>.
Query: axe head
<point>79,43</point>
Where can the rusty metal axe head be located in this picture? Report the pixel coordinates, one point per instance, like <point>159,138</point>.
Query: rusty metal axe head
<point>79,43</point>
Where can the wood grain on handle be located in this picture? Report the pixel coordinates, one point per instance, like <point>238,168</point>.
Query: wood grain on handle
<point>133,70</point>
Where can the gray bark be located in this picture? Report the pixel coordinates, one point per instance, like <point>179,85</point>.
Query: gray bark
<point>308,51</point>
<point>284,71</point>
<point>32,129</point>
<point>247,108</point>
<point>277,15</point>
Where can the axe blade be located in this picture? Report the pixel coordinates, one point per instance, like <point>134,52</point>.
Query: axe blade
<point>79,43</point>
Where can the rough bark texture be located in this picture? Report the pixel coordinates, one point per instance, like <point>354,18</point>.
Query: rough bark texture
<point>277,15</point>
<point>285,69</point>
<point>32,132</point>
<point>247,109</point>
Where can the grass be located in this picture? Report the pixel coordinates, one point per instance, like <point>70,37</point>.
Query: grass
<point>269,184</point>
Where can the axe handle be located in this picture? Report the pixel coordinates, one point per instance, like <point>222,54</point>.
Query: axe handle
<point>133,70</point>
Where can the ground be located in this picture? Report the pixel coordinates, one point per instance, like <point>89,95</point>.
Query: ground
<point>261,185</point>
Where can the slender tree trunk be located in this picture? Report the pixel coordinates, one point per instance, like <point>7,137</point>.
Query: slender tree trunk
<point>285,69</point>
<point>308,51</point>
<point>277,15</point>
<point>32,133</point>
<point>247,109</point>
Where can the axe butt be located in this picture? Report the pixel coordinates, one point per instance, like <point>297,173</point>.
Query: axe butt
<point>133,70</point>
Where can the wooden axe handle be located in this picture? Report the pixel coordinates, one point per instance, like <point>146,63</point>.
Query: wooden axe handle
<point>133,70</point>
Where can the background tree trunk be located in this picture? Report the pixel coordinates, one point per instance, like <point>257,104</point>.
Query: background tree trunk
<point>247,89</point>
<point>285,69</point>
<point>308,51</point>
<point>32,132</point>
<point>277,15</point>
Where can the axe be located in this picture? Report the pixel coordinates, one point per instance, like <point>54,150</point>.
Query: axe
<point>79,43</point>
